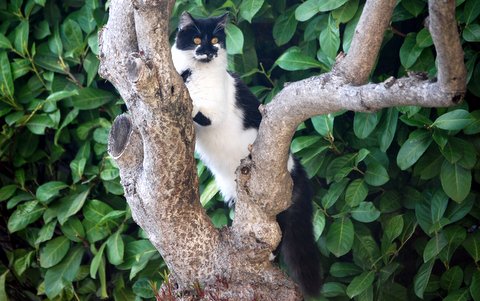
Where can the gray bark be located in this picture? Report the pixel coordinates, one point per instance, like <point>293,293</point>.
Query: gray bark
<point>153,145</point>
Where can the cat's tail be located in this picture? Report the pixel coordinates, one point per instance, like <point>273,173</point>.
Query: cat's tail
<point>298,249</point>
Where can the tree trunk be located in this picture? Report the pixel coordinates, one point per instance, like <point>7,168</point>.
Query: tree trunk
<point>153,144</point>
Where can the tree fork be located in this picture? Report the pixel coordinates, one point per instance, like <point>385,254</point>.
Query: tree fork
<point>153,145</point>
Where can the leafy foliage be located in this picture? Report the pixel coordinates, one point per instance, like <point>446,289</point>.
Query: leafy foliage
<point>396,211</point>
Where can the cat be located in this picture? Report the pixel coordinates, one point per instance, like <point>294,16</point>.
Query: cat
<point>227,118</point>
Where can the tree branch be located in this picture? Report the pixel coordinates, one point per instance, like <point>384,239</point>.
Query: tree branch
<point>331,92</point>
<point>154,145</point>
<point>452,73</point>
<point>358,64</point>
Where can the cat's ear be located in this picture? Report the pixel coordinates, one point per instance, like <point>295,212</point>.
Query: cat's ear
<point>185,20</point>
<point>222,21</point>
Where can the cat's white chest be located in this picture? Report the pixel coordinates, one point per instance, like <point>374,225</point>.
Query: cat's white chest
<point>221,148</point>
<point>222,144</point>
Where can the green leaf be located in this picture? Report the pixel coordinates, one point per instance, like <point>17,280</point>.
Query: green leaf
<point>471,11</point>
<point>474,127</point>
<point>410,51</point>
<point>318,223</point>
<point>366,212</point>
<point>456,181</point>
<point>115,249</point>
<point>303,142</point>
<point>414,7</point>
<point>249,8</point>
<point>356,192</point>
<point>7,191</point>
<point>422,277</point>
<point>323,124</point>
<point>454,120</point>
<point>38,123</point>
<point>56,96</point>
<point>376,174</point>
<point>434,246</point>
<point>327,5</point>
<point>455,235</point>
<point>21,36</point>
<point>306,10</point>
<point>90,65</point>
<point>46,233</point>
<point>346,12</point>
<point>360,283</point>
<point>47,191</point>
<point>430,164</point>
<point>54,251</point>
<point>71,204</point>
<point>388,128</point>
<point>112,216</point>
<point>143,288</point>
<point>72,36</point>
<point>109,174</point>
<point>474,286</point>
<point>42,30</point>
<point>24,215</point>
<point>452,279</point>
<point>91,98</point>
<point>3,293</point>
<point>439,203</point>
<point>55,42</point>
<point>365,123</point>
<point>459,295</point>
<point>23,262</point>
<point>97,259</point>
<point>333,193</point>
<point>424,39</point>
<point>73,229</point>
<point>6,80</point>
<point>5,42</point>
<point>293,59</point>
<point>63,273</point>
<point>365,249</point>
<point>330,39</point>
<point>340,236</point>
<point>416,144</point>
<point>472,245</point>
<point>344,269</point>
<point>393,227</point>
<point>284,27</point>
<point>234,39</point>
<point>339,167</point>
<point>208,192</point>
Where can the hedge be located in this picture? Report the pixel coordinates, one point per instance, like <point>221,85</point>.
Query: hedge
<point>396,204</point>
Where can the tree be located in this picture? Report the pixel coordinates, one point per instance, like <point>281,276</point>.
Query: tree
<point>153,144</point>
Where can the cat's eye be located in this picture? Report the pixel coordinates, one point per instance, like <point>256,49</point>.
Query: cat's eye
<point>197,41</point>
<point>214,40</point>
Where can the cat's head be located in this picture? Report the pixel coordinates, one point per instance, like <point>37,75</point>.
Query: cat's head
<point>204,37</point>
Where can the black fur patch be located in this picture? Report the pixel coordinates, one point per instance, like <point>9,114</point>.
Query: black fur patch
<point>298,248</point>
<point>202,119</point>
<point>206,30</point>
<point>248,103</point>
<point>185,75</point>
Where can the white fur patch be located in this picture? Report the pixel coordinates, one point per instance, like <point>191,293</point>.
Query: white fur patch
<point>224,143</point>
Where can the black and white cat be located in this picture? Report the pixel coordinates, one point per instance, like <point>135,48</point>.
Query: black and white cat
<point>226,119</point>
